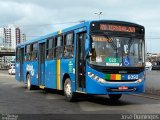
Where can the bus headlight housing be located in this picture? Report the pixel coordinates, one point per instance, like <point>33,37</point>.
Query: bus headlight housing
<point>141,79</point>
<point>98,79</point>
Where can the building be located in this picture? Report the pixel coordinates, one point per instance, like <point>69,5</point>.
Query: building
<point>23,38</point>
<point>18,35</point>
<point>1,42</point>
<point>10,36</point>
<point>2,37</point>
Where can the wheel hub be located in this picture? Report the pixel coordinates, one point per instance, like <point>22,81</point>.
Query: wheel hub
<point>28,83</point>
<point>68,89</point>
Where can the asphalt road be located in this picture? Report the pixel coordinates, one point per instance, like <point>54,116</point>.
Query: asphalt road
<point>16,99</point>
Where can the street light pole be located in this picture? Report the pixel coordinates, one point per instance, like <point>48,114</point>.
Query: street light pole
<point>99,14</point>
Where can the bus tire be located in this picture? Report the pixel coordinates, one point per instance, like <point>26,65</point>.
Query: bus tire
<point>115,96</point>
<point>29,85</point>
<point>70,96</point>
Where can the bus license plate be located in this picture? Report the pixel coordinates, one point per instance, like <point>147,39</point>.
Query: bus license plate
<point>123,88</point>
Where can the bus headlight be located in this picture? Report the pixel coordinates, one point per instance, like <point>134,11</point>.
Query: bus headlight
<point>141,79</point>
<point>98,79</point>
<point>101,80</point>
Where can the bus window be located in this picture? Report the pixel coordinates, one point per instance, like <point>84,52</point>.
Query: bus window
<point>59,41</point>
<point>27,53</point>
<point>34,51</point>
<point>68,45</point>
<point>49,48</point>
<point>17,54</point>
<point>31,51</point>
<point>59,47</point>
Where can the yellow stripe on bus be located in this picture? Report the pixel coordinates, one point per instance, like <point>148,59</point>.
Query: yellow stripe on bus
<point>118,76</point>
<point>58,74</point>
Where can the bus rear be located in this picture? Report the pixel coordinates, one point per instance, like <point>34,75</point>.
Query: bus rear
<point>115,62</point>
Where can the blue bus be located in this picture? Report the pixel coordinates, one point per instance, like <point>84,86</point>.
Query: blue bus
<point>94,57</point>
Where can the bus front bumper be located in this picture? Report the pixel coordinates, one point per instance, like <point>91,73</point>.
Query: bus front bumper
<point>93,87</point>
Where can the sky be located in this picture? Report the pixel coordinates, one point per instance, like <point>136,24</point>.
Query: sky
<point>40,17</point>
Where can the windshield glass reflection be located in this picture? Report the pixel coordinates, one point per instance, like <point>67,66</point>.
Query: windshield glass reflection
<point>116,51</point>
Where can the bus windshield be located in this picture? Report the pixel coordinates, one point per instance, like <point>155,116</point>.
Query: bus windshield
<point>117,51</point>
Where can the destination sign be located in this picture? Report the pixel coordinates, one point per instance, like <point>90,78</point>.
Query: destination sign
<point>101,39</point>
<point>117,28</point>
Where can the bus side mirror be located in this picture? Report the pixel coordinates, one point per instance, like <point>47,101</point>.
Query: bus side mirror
<point>89,54</point>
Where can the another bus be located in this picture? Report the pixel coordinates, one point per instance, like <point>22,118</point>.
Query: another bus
<point>94,57</point>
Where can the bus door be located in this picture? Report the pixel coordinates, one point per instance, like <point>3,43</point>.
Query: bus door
<point>80,61</point>
<point>41,64</point>
<point>21,63</point>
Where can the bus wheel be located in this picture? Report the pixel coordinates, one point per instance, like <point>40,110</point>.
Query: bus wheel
<point>29,86</point>
<point>115,96</point>
<point>68,90</point>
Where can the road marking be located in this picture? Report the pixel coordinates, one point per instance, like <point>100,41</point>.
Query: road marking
<point>146,96</point>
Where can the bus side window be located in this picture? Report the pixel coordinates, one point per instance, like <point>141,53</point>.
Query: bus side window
<point>68,45</point>
<point>27,53</point>
<point>49,48</point>
<point>34,51</point>
<point>31,52</point>
<point>58,47</point>
<point>17,54</point>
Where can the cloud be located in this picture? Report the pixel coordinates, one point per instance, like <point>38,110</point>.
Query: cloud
<point>7,13</point>
<point>39,17</point>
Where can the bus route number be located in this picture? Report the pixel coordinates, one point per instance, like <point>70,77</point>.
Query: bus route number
<point>112,60</point>
<point>132,77</point>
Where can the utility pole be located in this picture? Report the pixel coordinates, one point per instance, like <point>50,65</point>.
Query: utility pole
<point>99,14</point>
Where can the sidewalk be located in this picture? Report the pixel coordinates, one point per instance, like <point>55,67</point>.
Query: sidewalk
<point>153,82</point>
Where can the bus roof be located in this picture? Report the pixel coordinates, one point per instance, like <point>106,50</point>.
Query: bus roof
<point>85,23</point>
